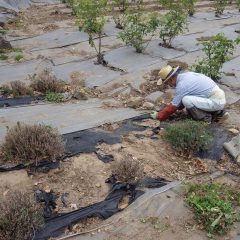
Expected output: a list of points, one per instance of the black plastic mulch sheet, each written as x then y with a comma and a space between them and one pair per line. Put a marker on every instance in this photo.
86, 141
54, 226
43, 166
216, 150
13, 102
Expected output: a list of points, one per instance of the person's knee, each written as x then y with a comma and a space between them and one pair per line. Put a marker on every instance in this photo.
187, 102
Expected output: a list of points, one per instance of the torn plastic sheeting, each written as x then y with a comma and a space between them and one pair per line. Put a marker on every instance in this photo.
233, 147
12, 102
105, 209
43, 166
49, 200
216, 150
86, 141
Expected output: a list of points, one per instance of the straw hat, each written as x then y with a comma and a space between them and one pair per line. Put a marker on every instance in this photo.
165, 73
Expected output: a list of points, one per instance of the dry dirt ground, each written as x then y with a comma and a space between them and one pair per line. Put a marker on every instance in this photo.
81, 179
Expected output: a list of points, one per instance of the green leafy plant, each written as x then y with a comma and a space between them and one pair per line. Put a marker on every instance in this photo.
181, 5
19, 88
45, 82
219, 6
26, 143
172, 24
54, 97
20, 216
214, 206
19, 57
120, 9
218, 50
137, 27
188, 136
121, 6
91, 19
188, 5
3, 56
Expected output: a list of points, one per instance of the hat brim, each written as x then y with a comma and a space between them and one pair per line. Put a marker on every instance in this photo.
161, 81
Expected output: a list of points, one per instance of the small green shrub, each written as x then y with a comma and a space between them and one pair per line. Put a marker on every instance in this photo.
54, 97
19, 88
3, 56
171, 25
219, 6
32, 143
127, 170
91, 19
136, 28
188, 5
20, 216
188, 136
181, 5
45, 82
218, 50
19, 57
214, 206
121, 6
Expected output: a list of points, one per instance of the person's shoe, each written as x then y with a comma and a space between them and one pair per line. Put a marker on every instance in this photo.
220, 116
198, 114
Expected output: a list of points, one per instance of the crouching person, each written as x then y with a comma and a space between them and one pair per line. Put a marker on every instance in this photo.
199, 94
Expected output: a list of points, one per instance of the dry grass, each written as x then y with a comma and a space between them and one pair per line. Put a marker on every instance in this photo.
32, 143
20, 217
127, 171
19, 88
45, 82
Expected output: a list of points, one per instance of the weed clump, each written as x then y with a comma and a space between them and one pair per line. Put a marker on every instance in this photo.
188, 136
31, 144
54, 97
127, 171
20, 217
19, 88
214, 206
46, 82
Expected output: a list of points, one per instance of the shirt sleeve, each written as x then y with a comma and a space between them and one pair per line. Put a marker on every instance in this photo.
180, 93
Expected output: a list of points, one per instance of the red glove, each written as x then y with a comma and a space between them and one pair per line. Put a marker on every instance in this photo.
166, 112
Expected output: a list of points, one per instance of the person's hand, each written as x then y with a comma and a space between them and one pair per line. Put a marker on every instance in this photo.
153, 115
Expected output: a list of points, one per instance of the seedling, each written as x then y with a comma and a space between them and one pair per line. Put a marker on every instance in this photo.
19, 57
91, 19
218, 49
137, 27
171, 25
219, 6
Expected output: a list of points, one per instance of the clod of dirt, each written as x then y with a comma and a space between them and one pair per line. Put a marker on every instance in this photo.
148, 106
135, 102
80, 95
175, 63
